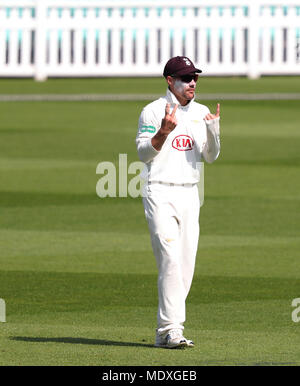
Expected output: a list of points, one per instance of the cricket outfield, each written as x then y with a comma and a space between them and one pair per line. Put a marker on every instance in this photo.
77, 272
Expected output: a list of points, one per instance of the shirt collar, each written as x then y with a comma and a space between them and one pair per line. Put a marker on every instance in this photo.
171, 98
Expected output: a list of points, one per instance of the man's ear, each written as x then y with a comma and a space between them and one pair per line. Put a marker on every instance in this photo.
169, 80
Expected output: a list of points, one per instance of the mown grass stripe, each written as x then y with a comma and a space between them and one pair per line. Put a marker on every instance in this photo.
142, 97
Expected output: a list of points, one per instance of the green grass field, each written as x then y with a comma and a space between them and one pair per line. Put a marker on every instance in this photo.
77, 271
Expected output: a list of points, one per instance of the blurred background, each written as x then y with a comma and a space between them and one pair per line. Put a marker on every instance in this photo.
46, 38
77, 271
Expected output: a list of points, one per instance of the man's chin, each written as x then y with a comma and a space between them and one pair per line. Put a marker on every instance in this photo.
189, 95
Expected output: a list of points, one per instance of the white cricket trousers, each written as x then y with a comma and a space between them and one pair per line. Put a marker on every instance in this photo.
172, 213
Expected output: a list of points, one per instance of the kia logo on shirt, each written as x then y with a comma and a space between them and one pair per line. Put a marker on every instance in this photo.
183, 143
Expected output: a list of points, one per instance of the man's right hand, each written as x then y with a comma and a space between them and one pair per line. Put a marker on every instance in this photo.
168, 124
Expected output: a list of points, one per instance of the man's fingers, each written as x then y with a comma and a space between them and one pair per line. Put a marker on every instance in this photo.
167, 108
210, 116
174, 111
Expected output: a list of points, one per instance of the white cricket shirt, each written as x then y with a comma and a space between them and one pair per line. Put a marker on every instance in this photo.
192, 141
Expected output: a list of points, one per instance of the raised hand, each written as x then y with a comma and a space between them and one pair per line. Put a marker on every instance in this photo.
169, 122
213, 116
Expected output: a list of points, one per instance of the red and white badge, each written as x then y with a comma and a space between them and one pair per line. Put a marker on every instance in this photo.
183, 142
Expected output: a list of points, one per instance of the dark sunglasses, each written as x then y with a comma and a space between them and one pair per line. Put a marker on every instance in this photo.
187, 78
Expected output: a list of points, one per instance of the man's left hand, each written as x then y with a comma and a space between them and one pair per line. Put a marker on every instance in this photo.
213, 116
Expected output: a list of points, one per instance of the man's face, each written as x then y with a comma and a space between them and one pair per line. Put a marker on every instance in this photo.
183, 87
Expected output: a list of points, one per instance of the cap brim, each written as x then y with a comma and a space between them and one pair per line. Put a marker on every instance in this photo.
187, 71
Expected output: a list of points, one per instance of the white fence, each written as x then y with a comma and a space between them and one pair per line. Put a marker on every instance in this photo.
47, 38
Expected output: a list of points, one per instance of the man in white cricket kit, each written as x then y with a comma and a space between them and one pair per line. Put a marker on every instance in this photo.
175, 134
